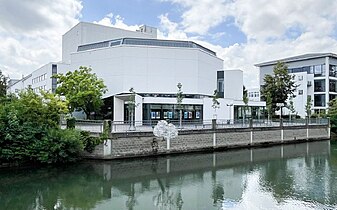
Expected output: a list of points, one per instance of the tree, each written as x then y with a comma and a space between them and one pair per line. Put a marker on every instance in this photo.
245, 101
82, 89
216, 103
291, 107
333, 114
279, 86
132, 106
308, 106
3, 85
29, 130
180, 98
269, 105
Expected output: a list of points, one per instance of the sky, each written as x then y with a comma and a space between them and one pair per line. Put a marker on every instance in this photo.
241, 32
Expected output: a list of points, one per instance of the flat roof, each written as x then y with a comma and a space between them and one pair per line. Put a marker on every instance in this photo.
297, 58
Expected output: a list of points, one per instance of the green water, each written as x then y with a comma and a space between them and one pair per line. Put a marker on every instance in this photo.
300, 176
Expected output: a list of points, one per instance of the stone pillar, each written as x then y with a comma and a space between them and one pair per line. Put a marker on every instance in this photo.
281, 126
329, 128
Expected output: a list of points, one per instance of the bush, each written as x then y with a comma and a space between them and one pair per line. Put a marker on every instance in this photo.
89, 142
59, 146
29, 130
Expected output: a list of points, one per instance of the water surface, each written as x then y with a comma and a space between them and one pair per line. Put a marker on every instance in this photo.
299, 176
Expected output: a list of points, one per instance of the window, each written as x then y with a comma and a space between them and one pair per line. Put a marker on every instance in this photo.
221, 85
300, 78
319, 85
300, 92
319, 100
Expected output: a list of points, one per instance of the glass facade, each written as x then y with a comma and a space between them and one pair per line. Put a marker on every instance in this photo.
332, 71
252, 112
220, 83
317, 70
53, 80
152, 113
319, 85
319, 100
93, 46
146, 42
333, 85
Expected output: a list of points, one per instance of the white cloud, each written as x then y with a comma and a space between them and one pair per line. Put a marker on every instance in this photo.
199, 16
31, 33
116, 21
265, 24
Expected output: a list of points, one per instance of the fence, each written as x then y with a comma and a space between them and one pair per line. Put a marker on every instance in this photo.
96, 126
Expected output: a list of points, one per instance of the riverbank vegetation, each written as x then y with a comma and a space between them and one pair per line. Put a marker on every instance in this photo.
30, 130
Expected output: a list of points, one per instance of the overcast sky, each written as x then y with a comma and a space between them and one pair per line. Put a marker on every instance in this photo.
242, 32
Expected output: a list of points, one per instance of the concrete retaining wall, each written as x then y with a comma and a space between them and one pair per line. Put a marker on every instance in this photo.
145, 144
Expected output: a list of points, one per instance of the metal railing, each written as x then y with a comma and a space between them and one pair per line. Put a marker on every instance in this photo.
97, 126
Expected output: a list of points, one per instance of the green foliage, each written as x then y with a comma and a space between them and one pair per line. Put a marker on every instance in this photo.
245, 96
71, 122
89, 142
180, 96
216, 103
82, 89
59, 146
29, 130
308, 106
279, 87
333, 114
3, 85
291, 106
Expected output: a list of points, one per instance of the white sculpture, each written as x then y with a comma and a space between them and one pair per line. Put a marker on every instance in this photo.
166, 130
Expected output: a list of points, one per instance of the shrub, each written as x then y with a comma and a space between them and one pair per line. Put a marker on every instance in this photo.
59, 146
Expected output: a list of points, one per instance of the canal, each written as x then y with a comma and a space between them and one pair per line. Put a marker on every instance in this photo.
298, 176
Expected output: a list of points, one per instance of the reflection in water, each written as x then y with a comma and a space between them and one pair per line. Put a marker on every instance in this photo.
300, 176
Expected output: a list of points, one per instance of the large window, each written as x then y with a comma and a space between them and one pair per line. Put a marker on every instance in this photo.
319, 85
319, 100
152, 113
319, 70
333, 85
220, 85
333, 71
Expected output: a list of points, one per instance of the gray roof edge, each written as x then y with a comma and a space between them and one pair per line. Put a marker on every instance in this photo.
297, 58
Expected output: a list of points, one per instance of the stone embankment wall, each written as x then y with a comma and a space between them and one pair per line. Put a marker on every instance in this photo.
136, 144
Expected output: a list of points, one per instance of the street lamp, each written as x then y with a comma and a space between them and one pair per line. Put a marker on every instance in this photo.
230, 112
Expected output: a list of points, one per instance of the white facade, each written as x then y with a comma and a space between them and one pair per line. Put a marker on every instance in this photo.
253, 94
316, 77
86, 33
153, 67
39, 79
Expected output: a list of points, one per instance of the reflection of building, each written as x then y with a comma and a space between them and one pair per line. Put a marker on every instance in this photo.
316, 75
153, 67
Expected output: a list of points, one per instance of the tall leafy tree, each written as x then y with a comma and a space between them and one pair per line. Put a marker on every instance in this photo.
180, 98
308, 106
3, 85
216, 103
245, 101
291, 107
82, 89
279, 86
333, 114
132, 105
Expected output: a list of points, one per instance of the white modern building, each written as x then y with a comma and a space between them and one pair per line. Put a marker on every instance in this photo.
315, 75
254, 94
153, 67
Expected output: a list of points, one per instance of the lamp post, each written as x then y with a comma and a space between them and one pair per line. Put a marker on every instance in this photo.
230, 111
